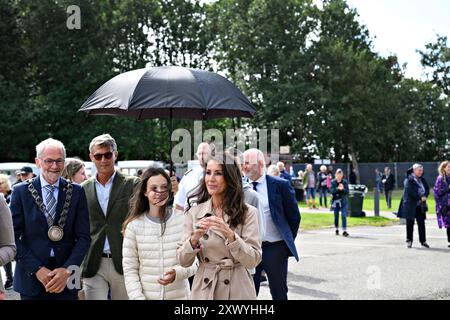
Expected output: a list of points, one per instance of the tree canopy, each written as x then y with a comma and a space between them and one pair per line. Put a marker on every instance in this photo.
311, 71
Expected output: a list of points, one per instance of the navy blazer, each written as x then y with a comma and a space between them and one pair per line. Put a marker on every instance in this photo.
284, 210
33, 244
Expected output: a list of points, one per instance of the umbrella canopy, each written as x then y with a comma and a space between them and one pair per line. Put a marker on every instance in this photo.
169, 92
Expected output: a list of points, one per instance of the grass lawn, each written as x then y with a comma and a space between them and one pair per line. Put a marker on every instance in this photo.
368, 203
312, 221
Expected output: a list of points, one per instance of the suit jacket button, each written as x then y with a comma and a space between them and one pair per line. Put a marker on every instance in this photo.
206, 280
226, 281
205, 236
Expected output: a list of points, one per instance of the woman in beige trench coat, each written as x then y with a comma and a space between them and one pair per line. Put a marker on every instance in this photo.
223, 233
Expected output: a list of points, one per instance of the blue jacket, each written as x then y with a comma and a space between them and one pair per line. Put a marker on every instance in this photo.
411, 197
284, 210
33, 244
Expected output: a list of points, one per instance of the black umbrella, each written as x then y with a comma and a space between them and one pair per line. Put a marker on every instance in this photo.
169, 92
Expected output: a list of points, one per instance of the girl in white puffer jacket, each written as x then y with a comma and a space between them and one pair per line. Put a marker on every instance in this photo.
151, 234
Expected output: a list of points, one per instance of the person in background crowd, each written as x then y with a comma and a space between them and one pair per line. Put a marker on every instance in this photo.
7, 245
413, 205
273, 171
5, 187
322, 187
193, 177
5, 190
51, 228
300, 174
26, 173
74, 170
378, 183
18, 178
339, 191
153, 226
223, 232
283, 173
108, 194
388, 181
352, 176
442, 197
281, 219
309, 184
329, 177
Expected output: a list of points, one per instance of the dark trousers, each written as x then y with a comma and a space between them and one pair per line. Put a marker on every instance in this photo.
388, 195
448, 234
275, 263
323, 194
8, 271
420, 218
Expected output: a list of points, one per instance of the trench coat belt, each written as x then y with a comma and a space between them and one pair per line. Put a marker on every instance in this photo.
224, 264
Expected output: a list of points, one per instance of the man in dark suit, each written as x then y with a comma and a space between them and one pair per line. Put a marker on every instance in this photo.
282, 220
51, 227
108, 194
388, 181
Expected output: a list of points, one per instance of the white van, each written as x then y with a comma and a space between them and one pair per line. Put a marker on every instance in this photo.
132, 166
9, 168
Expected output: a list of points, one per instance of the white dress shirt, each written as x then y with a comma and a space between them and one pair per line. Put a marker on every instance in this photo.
103, 193
271, 233
188, 183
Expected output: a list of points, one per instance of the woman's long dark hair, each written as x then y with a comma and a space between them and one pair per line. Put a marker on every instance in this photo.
233, 204
139, 202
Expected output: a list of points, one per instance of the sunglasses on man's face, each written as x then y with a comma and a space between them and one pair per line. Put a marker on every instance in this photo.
99, 156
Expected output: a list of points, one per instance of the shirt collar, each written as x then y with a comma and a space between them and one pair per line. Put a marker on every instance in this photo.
111, 179
261, 179
45, 183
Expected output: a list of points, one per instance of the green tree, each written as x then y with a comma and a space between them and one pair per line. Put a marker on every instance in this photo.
263, 47
437, 58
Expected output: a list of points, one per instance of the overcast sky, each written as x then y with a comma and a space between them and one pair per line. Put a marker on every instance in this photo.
403, 26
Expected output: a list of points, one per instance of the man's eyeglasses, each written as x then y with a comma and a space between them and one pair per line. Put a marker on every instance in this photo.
50, 162
99, 156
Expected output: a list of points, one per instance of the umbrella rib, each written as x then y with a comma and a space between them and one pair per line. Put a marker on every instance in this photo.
205, 109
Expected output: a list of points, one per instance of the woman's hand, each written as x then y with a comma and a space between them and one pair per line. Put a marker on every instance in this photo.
201, 227
218, 224
168, 277
2, 295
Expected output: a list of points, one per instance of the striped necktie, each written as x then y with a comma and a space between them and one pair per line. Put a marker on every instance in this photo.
51, 201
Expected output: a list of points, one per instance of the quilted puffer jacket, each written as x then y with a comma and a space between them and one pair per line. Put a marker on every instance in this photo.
147, 255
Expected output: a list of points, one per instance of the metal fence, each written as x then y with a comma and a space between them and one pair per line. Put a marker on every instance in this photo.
367, 171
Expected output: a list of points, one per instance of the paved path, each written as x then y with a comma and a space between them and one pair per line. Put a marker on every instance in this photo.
373, 263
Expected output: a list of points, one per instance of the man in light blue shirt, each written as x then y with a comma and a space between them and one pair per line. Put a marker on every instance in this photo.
282, 221
108, 195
